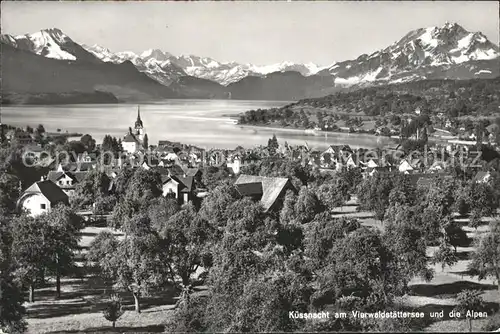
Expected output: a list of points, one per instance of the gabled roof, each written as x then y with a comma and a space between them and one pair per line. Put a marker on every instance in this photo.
192, 171
186, 183
129, 138
48, 189
272, 187
79, 166
253, 189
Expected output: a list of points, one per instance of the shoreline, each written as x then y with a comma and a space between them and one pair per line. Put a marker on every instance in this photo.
316, 133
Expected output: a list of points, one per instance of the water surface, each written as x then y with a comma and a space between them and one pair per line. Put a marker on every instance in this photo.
205, 123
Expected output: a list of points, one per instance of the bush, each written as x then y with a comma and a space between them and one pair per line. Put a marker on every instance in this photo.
189, 317
113, 310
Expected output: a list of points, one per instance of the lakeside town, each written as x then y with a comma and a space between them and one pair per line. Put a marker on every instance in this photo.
278, 192
249, 167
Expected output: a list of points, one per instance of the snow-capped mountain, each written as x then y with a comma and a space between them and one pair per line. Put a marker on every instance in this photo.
424, 53
224, 73
50, 43
446, 52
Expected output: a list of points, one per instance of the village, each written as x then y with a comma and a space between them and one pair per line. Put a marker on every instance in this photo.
124, 181
181, 166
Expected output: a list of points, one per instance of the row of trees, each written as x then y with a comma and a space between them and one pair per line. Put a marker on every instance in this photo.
32, 249
425, 214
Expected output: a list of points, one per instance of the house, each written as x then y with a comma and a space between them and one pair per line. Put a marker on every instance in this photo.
77, 166
20, 136
371, 171
36, 153
437, 166
336, 151
372, 163
405, 167
482, 177
87, 157
352, 161
179, 187
130, 143
234, 164
270, 191
417, 163
41, 197
66, 180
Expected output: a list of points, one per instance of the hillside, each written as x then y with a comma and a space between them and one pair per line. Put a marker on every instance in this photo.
25, 72
58, 98
449, 98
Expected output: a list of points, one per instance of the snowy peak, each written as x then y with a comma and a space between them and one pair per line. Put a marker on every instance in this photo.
420, 54
50, 43
155, 54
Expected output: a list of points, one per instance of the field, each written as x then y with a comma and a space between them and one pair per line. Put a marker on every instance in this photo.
79, 309
440, 293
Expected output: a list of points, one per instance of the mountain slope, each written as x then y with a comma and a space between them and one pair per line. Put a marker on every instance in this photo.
26, 72
50, 43
428, 53
199, 67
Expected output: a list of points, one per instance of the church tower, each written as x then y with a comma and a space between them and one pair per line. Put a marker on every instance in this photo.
139, 127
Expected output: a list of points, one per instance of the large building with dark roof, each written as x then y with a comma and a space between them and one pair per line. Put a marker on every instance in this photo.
41, 197
270, 191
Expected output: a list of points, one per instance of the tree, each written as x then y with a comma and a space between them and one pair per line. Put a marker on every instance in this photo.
160, 211
287, 213
469, 300
142, 188
136, 263
215, 205
95, 185
373, 194
404, 236
486, 259
445, 255
188, 238
30, 251
214, 176
360, 265
145, 142
322, 234
63, 227
455, 235
113, 310
88, 142
307, 205
9, 191
272, 144
482, 199
11, 298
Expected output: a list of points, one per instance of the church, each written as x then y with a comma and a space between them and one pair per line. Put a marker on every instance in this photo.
136, 138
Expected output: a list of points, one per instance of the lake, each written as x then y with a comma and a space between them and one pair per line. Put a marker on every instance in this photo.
204, 123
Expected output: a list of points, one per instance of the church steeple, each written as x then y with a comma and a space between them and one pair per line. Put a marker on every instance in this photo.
138, 122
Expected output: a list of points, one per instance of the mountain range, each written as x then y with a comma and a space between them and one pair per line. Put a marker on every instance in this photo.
49, 61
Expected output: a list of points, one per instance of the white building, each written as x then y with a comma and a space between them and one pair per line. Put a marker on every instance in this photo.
41, 197
134, 140
405, 167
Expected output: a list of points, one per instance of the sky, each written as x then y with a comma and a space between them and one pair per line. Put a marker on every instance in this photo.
261, 33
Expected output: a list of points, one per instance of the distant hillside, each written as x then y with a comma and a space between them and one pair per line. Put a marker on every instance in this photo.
25, 72
478, 97
58, 98
281, 86
455, 97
